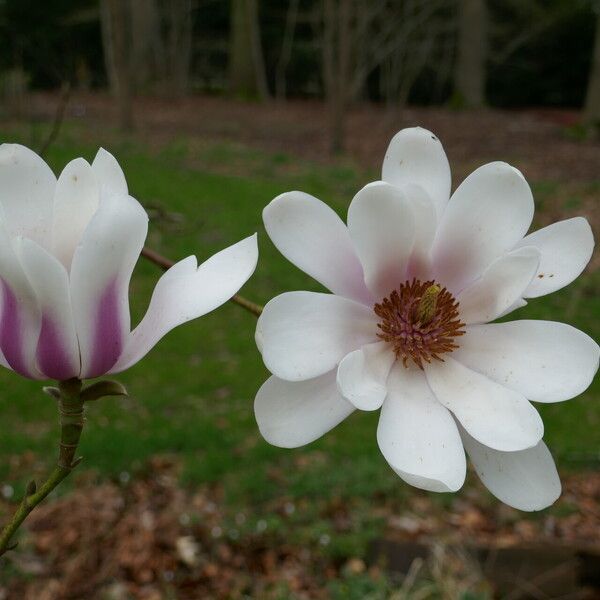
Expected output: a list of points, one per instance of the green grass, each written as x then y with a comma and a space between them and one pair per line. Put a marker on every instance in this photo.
192, 396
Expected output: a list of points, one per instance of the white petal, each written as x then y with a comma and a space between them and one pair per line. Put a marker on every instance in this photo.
526, 479
100, 273
26, 191
494, 415
543, 360
362, 375
566, 248
416, 156
486, 216
57, 347
312, 236
186, 292
292, 414
500, 287
306, 334
382, 228
109, 173
418, 436
20, 318
419, 264
520, 303
76, 200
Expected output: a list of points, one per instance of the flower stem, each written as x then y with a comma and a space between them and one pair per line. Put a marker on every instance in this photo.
70, 405
166, 263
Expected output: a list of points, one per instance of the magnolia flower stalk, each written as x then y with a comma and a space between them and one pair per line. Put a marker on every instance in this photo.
68, 247
417, 277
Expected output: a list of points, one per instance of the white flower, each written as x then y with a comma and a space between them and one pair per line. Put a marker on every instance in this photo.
67, 252
415, 278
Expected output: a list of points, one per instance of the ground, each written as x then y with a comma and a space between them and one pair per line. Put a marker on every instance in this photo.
197, 504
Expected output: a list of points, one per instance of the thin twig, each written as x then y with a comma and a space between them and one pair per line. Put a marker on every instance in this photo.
70, 406
166, 263
59, 116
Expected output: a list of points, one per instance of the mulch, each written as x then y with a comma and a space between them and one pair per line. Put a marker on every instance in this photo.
150, 538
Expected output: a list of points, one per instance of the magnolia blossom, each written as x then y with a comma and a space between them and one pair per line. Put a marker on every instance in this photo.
67, 251
416, 278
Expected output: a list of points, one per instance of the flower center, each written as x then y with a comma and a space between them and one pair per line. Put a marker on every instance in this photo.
420, 320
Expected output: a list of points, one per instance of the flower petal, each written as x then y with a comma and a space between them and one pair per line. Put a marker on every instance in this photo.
306, 334
362, 375
418, 436
416, 156
312, 236
109, 173
526, 479
500, 287
494, 415
187, 291
100, 273
382, 228
292, 414
76, 200
566, 248
487, 215
543, 360
419, 264
57, 347
20, 318
26, 191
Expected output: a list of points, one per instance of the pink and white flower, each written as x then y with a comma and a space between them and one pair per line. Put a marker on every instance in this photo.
67, 252
416, 276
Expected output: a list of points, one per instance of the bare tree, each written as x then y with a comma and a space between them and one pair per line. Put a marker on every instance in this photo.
469, 77
591, 111
178, 46
419, 31
286, 49
161, 44
116, 34
247, 74
147, 48
336, 66
359, 37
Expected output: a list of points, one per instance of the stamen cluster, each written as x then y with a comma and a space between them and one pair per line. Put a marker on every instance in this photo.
420, 320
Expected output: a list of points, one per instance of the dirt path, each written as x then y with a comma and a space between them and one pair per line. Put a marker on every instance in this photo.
537, 140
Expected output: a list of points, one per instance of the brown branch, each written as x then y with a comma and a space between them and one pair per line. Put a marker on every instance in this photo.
166, 263
59, 117
70, 404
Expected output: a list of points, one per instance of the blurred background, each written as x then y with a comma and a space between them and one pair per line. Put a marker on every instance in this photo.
213, 108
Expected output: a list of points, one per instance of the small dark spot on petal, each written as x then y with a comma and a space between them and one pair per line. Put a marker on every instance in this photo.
541, 276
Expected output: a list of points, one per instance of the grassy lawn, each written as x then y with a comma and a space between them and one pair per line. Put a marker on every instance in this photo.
193, 395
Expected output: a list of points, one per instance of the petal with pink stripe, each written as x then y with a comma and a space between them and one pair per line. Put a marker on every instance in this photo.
100, 274
57, 347
19, 316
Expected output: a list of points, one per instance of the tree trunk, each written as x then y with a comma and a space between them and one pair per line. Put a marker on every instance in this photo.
116, 27
336, 67
147, 48
469, 78
247, 75
591, 111
286, 49
179, 44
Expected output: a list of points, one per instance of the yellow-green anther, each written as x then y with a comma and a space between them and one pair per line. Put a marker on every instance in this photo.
428, 304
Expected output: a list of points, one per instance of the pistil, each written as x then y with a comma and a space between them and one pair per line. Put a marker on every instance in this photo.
421, 322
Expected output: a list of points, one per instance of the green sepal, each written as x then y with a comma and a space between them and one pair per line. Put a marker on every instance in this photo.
103, 388
53, 392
